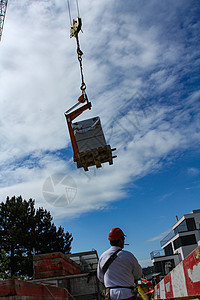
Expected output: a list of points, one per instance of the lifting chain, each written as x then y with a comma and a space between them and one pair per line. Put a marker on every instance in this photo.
80, 53
74, 30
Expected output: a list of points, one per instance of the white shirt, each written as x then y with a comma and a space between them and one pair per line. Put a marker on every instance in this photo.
122, 272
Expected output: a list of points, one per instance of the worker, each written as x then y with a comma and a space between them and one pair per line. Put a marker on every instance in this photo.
118, 269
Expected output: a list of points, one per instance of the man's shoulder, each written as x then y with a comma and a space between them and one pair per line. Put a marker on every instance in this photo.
109, 251
127, 254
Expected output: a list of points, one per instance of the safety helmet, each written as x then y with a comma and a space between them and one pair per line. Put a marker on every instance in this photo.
115, 234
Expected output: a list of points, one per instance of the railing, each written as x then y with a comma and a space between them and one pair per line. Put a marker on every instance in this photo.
167, 238
88, 260
157, 253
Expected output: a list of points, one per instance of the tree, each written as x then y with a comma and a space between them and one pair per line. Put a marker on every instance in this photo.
4, 266
22, 229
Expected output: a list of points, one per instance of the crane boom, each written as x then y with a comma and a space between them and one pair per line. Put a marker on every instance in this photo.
3, 7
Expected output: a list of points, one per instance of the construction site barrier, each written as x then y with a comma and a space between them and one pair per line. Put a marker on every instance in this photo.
183, 281
20, 289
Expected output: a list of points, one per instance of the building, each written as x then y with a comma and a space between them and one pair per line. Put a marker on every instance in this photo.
179, 243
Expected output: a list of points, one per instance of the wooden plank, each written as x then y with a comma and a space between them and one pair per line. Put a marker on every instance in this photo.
54, 264
48, 256
62, 265
95, 157
47, 261
92, 252
52, 258
50, 274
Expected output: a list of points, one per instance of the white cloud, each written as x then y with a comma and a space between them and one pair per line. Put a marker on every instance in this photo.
165, 196
145, 263
39, 80
159, 237
193, 171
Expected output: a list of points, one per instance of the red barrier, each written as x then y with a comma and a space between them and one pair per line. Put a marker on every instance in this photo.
30, 290
191, 269
183, 281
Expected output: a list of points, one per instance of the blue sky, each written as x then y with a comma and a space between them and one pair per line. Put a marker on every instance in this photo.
141, 66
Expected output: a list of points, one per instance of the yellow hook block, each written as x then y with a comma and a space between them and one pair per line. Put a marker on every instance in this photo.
75, 27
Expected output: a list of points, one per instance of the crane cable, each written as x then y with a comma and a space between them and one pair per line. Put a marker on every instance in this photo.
70, 18
77, 7
79, 52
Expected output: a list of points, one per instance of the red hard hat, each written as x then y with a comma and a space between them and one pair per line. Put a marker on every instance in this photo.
115, 234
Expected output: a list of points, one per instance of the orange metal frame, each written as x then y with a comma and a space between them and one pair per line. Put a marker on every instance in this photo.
70, 117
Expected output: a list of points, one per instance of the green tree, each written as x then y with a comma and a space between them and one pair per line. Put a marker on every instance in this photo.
22, 229
4, 266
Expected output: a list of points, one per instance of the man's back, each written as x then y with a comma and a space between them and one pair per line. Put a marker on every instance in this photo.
119, 277
122, 271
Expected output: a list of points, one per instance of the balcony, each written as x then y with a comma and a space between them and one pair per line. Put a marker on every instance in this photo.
157, 253
185, 226
166, 239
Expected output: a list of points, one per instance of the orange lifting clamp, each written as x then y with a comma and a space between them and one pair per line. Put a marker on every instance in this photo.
87, 138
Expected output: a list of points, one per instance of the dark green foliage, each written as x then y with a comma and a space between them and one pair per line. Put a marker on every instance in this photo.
22, 229
4, 266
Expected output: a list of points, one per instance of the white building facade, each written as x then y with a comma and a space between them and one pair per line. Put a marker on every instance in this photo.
179, 243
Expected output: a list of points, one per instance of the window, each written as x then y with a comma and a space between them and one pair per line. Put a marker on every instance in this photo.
181, 227
177, 243
186, 225
188, 240
168, 250
185, 241
191, 224
161, 266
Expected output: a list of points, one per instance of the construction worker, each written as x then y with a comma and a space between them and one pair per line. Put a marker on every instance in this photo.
117, 268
